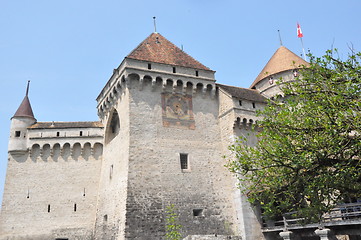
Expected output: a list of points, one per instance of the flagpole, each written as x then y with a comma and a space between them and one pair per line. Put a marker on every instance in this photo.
300, 35
303, 49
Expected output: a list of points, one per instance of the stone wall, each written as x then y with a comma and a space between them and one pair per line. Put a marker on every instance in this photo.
47, 198
200, 193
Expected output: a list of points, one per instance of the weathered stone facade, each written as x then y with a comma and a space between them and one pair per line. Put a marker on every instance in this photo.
164, 128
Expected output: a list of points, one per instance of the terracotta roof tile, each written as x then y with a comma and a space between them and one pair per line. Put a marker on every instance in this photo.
244, 93
58, 125
282, 60
157, 48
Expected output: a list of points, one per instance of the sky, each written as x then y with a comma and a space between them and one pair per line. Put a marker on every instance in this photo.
69, 48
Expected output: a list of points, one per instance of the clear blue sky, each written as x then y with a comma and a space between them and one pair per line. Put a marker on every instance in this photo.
68, 48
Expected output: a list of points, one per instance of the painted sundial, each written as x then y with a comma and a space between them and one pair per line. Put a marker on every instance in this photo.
177, 110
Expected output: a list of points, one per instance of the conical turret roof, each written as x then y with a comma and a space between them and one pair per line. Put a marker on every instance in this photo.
156, 48
25, 109
282, 60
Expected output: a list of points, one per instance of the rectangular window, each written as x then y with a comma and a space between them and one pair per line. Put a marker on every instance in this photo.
57, 134
49, 208
149, 66
197, 212
81, 133
240, 102
197, 74
254, 105
184, 160
17, 133
74, 207
174, 70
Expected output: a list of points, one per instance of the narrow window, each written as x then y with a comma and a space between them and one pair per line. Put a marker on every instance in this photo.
74, 207
105, 218
17, 133
28, 195
254, 105
184, 160
48, 207
111, 171
240, 102
197, 74
81, 133
149, 66
57, 134
197, 212
84, 193
174, 70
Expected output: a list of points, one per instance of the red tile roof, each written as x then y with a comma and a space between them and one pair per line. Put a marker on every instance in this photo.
158, 49
282, 60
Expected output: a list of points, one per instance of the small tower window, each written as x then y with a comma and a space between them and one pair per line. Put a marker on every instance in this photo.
48, 207
254, 105
149, 66
17, 133
74, 207
197, 212
81, 133
57, 134
240, 102
174, 70
197, 74
184, 161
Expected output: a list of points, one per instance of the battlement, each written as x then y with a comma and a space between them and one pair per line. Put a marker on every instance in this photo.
159, 77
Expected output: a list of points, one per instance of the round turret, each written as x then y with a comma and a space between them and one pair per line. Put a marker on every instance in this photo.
284, 66
22, 119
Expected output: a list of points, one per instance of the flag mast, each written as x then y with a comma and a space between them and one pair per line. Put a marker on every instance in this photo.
300, 36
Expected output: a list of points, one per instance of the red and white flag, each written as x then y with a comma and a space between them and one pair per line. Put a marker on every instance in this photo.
299, 31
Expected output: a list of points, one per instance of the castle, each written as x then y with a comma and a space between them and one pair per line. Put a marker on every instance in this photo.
164, 127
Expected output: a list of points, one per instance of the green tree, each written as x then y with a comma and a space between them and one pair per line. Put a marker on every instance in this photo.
308, 155
172, 226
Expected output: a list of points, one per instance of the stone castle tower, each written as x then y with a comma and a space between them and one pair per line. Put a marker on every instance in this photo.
164, 125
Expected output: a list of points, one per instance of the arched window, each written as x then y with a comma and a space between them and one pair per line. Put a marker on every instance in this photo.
113, 127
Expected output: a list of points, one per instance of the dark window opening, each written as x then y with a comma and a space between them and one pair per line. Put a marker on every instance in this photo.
240, 102
48, 207
74, 207
81, 133
113, 127
254, 105
184, 160
57, 134
197, 74
84, 193
197, 212
17, 133
174, 70
149, 66
105, 218
111, 171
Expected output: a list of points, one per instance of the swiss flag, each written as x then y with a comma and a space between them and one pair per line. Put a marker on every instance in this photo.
299, 31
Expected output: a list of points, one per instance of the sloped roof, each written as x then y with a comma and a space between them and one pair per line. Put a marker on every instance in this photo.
244, 93
58, 125
24, 109
282, 60
157, 48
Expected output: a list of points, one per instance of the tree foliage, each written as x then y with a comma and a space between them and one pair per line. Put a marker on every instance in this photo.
308, 155
172, 226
